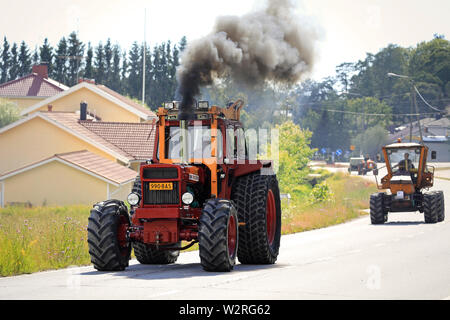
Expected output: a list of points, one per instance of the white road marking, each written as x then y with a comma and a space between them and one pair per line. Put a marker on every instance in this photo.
161, 294
381, 244
354, 251
324, 259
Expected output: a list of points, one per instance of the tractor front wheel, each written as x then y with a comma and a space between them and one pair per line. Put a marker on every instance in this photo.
218, 235
109, 247
378, 213
431, 207
441, 212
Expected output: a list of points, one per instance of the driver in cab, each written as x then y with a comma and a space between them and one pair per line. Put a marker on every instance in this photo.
405, 165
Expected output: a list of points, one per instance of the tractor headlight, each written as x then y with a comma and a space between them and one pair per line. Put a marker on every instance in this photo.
203, 105
133, 199
187, 198
169, 105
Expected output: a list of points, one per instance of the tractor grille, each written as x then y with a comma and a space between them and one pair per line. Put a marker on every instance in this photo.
153, 197
160, 173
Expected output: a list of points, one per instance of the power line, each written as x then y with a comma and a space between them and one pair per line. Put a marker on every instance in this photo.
426, 102
380, 114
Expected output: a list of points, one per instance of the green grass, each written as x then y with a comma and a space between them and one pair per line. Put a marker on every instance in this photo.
349, 196
44, 238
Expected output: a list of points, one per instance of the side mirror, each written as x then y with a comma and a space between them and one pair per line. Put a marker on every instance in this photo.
433, 155
375, 172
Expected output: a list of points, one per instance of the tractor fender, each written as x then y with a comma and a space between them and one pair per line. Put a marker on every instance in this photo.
247, 168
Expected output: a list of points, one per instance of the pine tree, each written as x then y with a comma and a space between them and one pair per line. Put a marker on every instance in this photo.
108, 60
6, 62
24, 60
35, 57
46, 55
60, 68
134, 77
149, 83
182, 44
75, 52
14, 69
115, 69
88, 69
99, 64
124, 74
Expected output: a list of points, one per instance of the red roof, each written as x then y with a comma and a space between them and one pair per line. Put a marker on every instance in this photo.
32, 85
88, 161
99, 166
135, 139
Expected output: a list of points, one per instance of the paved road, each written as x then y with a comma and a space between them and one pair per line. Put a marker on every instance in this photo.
403, 259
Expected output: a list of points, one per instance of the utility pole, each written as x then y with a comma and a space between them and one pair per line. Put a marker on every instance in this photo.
285, 111
417, 111
413, 99
411, 112
144, 58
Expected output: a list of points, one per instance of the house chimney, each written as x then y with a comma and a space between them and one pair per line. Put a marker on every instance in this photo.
91, 81
83, 110
41, 70
50, 108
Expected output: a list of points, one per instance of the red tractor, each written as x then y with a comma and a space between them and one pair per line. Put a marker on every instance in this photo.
200, 187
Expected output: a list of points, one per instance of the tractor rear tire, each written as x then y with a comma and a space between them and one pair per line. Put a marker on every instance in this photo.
377, 211
147, 254
218, 235
441, 211
431, 207
108, 245
257, 198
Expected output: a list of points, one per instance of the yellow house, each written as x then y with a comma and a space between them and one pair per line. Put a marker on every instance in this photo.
43, 134
103, 104
62, 153
31, 89
80, 177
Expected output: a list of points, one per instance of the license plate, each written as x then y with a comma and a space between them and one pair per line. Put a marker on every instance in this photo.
161, 186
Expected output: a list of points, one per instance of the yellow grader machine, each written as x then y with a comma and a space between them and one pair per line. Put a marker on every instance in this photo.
407, 176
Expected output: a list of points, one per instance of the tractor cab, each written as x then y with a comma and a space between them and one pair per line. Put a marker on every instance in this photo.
407, 168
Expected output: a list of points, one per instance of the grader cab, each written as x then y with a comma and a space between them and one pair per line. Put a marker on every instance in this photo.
199, 187
407, 176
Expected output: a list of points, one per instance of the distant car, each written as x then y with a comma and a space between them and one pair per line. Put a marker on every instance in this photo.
362, 165
356, 164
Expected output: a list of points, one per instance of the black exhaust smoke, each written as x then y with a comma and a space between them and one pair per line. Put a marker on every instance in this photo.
268, 45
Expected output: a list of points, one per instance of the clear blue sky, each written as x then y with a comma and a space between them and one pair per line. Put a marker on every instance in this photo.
348, 28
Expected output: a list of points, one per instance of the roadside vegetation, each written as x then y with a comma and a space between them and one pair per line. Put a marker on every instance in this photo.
44, 238
329, 199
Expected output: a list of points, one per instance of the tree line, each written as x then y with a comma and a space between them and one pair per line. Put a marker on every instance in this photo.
356, 104
107, 63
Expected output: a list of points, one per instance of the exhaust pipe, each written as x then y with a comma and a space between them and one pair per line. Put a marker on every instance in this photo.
184, 142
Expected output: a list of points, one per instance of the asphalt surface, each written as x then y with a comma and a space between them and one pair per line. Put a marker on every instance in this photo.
402, 259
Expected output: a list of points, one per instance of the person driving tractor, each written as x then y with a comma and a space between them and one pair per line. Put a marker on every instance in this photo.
405, 165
